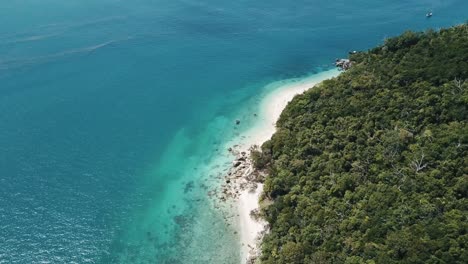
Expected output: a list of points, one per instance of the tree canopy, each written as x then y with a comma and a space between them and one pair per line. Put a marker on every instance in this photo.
371, 166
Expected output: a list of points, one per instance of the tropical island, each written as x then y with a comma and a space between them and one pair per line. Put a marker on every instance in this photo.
371, 166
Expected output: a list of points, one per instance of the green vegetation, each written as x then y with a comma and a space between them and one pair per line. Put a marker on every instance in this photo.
371, 166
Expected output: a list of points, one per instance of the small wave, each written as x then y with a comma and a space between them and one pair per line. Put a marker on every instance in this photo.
18, 63
52, 30
95, 22
31, 38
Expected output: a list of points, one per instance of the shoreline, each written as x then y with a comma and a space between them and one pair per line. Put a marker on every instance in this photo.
241, 181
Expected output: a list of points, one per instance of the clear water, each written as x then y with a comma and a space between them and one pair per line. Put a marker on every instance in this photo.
113, 114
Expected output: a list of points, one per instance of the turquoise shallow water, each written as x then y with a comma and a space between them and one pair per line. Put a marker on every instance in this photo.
113, 114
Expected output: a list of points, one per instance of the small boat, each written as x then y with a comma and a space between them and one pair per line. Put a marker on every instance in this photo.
429, 14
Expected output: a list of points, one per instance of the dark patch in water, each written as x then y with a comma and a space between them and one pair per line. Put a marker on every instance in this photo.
181, 220
189, 187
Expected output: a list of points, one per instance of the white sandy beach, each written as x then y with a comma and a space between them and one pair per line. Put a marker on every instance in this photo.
270, 110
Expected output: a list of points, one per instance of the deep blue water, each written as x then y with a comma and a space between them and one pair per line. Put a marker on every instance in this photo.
111, 110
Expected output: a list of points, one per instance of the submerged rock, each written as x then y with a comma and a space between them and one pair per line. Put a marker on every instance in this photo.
189, 187
181, 220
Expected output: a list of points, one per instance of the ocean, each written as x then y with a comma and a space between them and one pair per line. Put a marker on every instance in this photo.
114, 114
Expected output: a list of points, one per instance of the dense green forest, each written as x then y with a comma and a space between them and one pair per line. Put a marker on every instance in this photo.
371, 166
